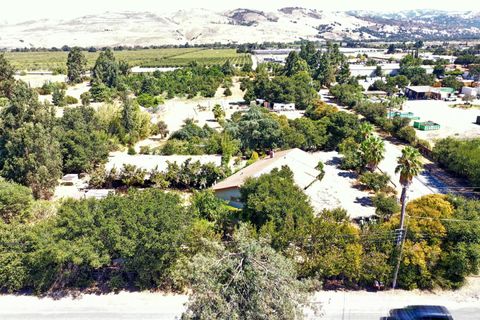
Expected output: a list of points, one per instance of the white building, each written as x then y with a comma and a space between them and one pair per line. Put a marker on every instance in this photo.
149, 162
277, 107
391, 69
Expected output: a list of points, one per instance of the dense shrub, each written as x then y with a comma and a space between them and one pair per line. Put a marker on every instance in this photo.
121, 241
460, 156
375, 181
385, 206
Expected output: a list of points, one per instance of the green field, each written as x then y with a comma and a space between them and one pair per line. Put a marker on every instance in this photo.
169, 57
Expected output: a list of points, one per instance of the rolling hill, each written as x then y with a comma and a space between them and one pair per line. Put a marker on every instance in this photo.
201, 26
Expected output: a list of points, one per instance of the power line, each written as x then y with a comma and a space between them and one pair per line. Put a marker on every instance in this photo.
445, 219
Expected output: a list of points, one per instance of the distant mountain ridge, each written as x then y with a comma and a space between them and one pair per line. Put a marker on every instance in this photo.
201, 26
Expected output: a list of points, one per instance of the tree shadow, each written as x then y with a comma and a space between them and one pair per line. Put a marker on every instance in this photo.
335, 161
348, 174
364, 201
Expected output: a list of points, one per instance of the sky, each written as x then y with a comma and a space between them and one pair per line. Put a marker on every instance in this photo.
22, 10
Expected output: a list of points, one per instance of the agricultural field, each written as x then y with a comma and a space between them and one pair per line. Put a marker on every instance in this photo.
168, 57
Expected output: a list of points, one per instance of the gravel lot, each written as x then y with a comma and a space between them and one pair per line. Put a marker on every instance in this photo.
455, 122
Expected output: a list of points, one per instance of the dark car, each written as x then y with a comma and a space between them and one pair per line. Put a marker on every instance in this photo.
420, 313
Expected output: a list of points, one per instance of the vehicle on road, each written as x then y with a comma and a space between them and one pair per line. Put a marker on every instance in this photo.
419, 313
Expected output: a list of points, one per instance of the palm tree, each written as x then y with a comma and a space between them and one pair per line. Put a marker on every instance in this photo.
373, 151
321, 170
366, 129
409, 166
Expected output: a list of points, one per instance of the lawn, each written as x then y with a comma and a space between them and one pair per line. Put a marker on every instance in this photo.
168, 57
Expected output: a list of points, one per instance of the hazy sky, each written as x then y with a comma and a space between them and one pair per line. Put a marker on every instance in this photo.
21, 10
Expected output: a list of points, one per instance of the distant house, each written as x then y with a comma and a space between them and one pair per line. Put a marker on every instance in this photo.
300, 162
418, 92
277, 107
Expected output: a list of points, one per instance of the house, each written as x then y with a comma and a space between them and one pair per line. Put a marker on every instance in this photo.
277, 107
300, 162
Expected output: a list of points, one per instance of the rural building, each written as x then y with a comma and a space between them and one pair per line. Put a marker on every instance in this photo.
277, 107
427, 92
300, 162
418, 92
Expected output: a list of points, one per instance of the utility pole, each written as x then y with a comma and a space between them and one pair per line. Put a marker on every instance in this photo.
400, 240
400, 236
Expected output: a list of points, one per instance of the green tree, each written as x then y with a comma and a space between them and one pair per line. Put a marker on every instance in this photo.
228, 69
76, 65
6, 69
294, 64
452, 82
106, 69
84, 145
325, 72
274, 203
58, 97
344, 73
256, 130
245, 280
308, 52
29, 149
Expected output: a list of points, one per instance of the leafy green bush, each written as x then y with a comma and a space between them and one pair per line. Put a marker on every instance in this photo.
71, 100
15, 201
131, 151
407, 134
385, 206
375, 181
459, 156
